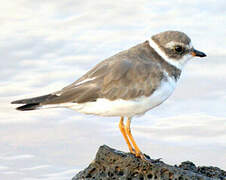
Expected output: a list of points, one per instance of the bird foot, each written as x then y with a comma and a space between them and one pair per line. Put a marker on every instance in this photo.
132, 151
147, 158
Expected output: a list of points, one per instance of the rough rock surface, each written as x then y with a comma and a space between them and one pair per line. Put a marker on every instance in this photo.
111, 164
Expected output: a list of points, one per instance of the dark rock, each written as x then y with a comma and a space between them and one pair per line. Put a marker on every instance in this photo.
212, 172
188, 165
111, 164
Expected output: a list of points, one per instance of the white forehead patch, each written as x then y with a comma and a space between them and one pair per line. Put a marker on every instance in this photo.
177, 63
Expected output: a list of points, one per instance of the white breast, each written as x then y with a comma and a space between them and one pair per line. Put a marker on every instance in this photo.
128, 108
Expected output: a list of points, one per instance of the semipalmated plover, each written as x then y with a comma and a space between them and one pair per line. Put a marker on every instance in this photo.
127, 84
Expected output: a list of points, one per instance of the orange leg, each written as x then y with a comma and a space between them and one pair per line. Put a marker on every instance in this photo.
122, 129
128, 132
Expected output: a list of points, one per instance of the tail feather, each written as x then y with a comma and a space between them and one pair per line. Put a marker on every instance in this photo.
33, 100
32, 103
28, 107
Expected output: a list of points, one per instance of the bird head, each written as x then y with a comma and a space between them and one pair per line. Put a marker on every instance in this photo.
175, 47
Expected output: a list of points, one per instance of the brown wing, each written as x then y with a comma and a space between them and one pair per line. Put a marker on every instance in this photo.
140, 79
113, 79
126, 75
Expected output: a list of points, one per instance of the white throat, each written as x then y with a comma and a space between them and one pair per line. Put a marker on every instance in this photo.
177, 63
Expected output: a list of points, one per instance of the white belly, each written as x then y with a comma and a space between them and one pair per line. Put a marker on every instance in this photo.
128, 108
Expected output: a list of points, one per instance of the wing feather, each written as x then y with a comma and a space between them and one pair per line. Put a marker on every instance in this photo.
127, 75
123, 76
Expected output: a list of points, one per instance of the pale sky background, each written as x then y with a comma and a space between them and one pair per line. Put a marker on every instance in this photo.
46, 45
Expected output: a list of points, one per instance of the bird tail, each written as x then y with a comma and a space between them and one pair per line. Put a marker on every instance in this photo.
28, 107
32, 103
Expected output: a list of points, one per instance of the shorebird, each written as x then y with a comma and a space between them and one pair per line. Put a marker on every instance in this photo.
127, 84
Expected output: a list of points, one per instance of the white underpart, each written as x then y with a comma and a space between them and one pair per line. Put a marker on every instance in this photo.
128, 108
177, 63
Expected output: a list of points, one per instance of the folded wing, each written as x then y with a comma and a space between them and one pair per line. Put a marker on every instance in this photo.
126, 75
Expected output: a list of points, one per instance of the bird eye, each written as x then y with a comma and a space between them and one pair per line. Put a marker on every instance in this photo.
179, 49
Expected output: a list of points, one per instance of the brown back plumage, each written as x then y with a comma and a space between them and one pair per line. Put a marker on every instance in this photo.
129, 74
